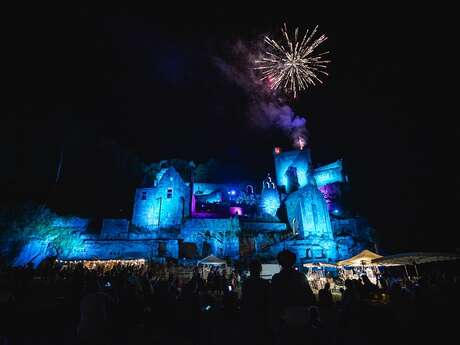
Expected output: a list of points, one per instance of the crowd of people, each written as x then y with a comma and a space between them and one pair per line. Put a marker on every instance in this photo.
134, 304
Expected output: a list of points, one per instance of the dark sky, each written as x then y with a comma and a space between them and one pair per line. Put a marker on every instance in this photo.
147, 81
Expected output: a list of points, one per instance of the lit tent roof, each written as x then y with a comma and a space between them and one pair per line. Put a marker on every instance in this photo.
212, 260
319, 264
415, 258
365, 258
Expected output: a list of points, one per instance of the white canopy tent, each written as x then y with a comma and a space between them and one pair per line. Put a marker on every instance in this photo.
316, 274
318, 264
208, 261
360, 264
365, 258
212, 260
414, 258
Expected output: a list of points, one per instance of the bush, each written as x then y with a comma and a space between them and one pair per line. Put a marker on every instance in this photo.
25, 222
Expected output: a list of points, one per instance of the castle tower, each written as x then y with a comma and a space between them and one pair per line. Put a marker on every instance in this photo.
291, 168
308, 216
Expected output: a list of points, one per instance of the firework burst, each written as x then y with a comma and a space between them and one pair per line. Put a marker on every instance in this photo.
292, 64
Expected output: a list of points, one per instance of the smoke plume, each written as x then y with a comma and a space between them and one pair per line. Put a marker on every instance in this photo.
266, 108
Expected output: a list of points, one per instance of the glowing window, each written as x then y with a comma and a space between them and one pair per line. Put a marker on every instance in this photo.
144, 196
169, 193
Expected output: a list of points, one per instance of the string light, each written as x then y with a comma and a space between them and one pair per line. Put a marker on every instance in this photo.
87, 263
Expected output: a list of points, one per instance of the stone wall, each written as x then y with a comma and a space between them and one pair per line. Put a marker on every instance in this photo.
76, 223
263, 226
210, 224
174, 198
219, 236
114, 228
330, 173
352, 235
143, 210
126, 249
308, 214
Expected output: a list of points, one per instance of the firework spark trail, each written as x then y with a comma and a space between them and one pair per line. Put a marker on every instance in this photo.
293, 66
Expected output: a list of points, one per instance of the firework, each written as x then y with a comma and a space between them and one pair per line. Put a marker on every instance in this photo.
293, 64
301, 142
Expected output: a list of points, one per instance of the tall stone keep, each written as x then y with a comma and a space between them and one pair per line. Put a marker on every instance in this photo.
308, 216
292, 168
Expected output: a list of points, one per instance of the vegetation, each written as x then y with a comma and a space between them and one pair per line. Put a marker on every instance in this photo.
24, 223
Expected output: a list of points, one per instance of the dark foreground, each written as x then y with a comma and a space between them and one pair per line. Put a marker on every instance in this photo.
146, 306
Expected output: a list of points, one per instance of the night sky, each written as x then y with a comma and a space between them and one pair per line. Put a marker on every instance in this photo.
146, 83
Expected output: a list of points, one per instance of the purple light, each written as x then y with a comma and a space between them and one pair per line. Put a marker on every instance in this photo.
236, 211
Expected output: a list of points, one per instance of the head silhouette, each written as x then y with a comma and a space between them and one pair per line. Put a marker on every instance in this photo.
92, 285
365, 279
286, 258
255, 268
349, 284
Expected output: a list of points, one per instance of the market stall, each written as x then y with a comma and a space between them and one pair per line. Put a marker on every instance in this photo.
105, 264
213, 261
210, 261
317, 274
359, 264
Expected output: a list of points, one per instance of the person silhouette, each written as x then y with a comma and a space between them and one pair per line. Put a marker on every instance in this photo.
290, 292
325, 296
254, 305
255, 291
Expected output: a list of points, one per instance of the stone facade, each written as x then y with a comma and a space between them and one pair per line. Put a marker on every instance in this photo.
177, 219
352, 235
308, 216
213, 236
126, 249
114, 229
164, 205
289, 162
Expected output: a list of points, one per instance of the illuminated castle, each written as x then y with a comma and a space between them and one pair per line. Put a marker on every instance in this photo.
300, 211
176, 217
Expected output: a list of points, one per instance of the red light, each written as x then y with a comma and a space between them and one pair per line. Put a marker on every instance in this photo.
277, 150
